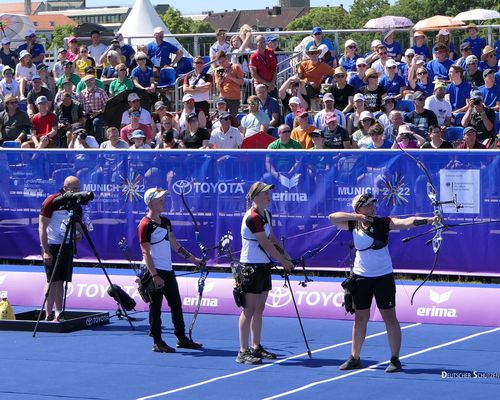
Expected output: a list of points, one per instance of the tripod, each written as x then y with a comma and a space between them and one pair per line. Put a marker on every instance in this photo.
71, 232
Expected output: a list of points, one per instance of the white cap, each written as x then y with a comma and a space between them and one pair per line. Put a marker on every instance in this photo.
29, 32
158, 29
323, 48
294, 100
133, 96
365, 114
359, 96
444, 32
24, 53
391, 63
152, 194
360, 61
350, 42
5, 40
409, 51
187, 97
376, 43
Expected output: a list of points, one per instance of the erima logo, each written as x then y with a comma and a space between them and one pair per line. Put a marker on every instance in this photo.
290, 182
434, 311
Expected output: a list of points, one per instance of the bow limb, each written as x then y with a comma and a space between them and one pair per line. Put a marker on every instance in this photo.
203, 267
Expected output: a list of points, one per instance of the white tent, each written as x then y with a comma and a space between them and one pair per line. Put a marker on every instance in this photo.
140, 23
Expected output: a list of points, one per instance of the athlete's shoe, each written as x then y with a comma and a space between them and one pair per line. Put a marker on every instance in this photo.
246, 357
162, 347
260, 352
351, 363
394, 365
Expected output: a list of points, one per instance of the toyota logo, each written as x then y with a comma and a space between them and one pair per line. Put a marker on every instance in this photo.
181, 185
279, 297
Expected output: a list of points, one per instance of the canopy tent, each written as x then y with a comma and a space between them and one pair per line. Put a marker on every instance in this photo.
140, 23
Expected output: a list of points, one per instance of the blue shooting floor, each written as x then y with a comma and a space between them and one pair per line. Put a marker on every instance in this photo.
114, 362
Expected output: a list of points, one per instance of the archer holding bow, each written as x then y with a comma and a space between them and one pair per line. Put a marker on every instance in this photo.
259, 248
157, 240
372, 274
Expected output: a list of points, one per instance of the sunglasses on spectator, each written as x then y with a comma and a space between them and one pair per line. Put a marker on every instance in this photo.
285, 131
72, 41
361, 65
393, 67
141, 59
122, 70
383, 53
410, 55
318, 34
422, 73
83, 51
373, 76
366, 120
340, 76
12, 102
198, 62
351, 47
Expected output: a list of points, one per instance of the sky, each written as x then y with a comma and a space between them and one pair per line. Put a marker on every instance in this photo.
197, 6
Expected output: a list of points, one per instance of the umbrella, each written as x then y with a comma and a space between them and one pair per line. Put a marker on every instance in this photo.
14, 26
437, 22
388, 22
478, 14
115, 106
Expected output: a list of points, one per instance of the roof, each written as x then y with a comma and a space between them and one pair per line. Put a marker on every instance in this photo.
48, 22
18, 8
275, 18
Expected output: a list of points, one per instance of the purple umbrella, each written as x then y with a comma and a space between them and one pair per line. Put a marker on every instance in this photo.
388, 22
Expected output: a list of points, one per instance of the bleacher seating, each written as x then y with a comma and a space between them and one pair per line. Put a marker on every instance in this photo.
454, 133
405, 105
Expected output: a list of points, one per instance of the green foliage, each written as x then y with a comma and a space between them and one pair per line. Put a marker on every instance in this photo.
363, 10
60, 32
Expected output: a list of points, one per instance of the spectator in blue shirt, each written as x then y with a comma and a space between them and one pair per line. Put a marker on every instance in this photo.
444, 37
269, 105
419, 80
126, 50
159, 51
488, 59
420, 47
496, 46
294, 105
36, 50
356, 79
404, 66
477, 43
319, 39
458, 90
142, 75
393, 83
490, 90
394, 49
439, 67
348, 59
376, 133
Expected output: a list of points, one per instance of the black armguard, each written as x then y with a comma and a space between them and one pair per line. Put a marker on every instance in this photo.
184, 253
419, 222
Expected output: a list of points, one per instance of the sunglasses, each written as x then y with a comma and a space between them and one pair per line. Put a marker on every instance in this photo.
382, 53
393, 67
366, 120
491, 55
73, 41
352, 47
340, 76
318, 34
410, 55
141, 59
12, 102
83, 51
198, 62
122, 70
422, 73
361, 65
373, 76
285, 131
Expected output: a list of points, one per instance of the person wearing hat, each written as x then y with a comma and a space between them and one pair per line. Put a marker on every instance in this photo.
318, 39
356, 79
159, 51
8, 56
465, 51
480, 117
490, 90
393, 83
58, 67
225, 136
329, 106
420, 116
372, 91
489, 59
157, 240
189, 108
348, 59
318, 139
229, 81
313, 71
68, 74
372, 272
72, 48
404, 66
407, 139
439, 67
14, 123
439, 104
258, 250
138, 138
24, 72
372, 55
420, 47
134, 102
36, 91
388, 104
44, 126
302, 129
93, 101
294, 104
66, 88
394, 48
360, 138
477, 43
443, 37
342, 92
198, 83
336, 137
472, 73
194, 137
8, 84
124, 52
221, 107
47, 78
470, 140
359, 107
458, 90
263, 66
78, 138
36, 50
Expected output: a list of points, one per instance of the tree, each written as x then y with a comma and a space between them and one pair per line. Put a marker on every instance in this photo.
60, 32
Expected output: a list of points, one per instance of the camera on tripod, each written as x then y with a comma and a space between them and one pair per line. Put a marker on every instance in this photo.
74, 199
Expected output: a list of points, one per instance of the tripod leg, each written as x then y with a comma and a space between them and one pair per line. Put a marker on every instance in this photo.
298, 316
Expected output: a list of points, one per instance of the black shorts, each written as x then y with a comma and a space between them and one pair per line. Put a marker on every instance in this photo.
259, 281
382, 287
65, 268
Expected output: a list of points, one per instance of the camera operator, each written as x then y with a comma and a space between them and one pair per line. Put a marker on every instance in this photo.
79, 139
53, 217
480, 117
229, 80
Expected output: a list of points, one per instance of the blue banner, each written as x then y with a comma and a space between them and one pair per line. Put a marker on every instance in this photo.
309, 186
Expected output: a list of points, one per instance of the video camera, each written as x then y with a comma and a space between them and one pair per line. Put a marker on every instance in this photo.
73, 199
